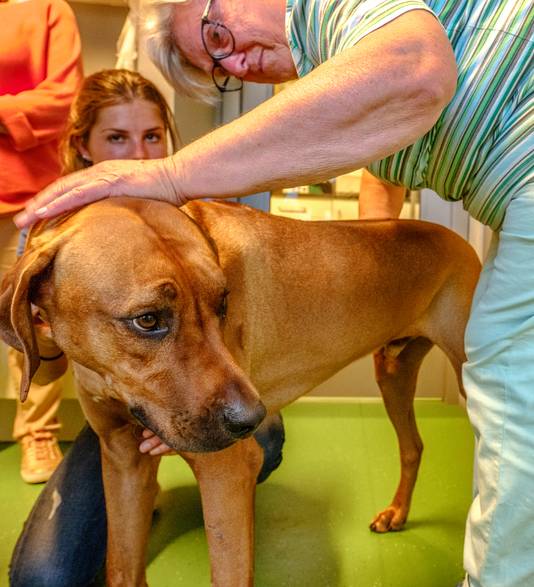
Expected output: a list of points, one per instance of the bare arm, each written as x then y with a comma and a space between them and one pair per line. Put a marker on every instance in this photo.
361, 105
379, 199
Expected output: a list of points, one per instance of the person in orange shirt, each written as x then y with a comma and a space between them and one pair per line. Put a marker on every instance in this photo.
40, 72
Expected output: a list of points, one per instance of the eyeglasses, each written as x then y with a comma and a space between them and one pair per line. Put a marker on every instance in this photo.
219, 44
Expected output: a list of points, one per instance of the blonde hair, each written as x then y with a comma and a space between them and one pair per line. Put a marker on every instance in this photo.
162, 49
108, 87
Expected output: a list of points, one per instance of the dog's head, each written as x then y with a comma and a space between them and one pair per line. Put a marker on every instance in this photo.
133, 291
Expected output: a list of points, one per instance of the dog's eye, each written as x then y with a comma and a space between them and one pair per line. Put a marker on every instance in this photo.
146, 323
150, 324
222, 309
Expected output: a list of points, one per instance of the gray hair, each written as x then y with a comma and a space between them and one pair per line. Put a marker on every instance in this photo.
163, 51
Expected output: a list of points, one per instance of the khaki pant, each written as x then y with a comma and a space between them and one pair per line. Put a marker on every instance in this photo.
39, 411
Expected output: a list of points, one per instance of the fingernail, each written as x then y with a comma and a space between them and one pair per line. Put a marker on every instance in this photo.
41, 211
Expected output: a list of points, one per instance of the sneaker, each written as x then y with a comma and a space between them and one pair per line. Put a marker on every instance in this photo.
40, 456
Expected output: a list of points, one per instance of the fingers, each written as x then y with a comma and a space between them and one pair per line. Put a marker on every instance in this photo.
38, 210
71, 191
100, 181
153, 445
140, 178
162, 450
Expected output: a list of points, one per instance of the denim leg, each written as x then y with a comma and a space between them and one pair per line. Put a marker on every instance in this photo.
270, 436
63, 543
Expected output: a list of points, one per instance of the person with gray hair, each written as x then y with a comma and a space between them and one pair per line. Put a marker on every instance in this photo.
424, 93
163, 51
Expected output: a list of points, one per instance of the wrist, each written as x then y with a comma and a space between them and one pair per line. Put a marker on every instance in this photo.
172, 177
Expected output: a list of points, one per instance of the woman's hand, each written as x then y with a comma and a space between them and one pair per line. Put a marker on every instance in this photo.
154, 178
153, 445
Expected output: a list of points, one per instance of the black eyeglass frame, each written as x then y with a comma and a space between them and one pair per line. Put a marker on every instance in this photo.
205, 21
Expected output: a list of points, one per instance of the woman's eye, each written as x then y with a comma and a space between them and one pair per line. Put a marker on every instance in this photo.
215, 36
115, 138
153, 137
146, 322
219, 39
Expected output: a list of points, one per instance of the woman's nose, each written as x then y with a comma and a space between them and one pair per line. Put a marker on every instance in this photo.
235, 64
139, 150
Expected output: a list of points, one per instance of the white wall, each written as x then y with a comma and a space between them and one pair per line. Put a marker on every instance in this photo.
100, 26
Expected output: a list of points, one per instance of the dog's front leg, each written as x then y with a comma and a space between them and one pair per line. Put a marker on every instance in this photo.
130, 488
227, 481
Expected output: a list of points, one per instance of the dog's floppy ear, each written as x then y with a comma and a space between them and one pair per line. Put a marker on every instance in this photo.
16, 321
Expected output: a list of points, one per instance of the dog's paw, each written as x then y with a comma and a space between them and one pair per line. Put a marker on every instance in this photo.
389, 520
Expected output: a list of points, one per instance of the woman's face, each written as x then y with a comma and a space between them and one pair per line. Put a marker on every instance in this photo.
261, 51
131, 130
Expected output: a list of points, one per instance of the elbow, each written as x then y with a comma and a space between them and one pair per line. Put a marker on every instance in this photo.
434, 88
437, 90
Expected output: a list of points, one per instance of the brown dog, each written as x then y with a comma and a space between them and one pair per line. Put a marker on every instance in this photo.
198, 322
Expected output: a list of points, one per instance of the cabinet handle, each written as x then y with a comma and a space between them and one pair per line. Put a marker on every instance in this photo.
294, 210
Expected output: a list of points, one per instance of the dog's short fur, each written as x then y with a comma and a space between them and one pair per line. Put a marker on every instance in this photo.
201, 321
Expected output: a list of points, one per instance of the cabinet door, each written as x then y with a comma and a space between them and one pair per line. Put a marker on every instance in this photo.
302, 208
345, 209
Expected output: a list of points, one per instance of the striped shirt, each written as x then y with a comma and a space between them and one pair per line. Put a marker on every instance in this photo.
481, 148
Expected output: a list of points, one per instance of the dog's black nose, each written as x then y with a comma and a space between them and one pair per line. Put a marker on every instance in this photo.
241, 421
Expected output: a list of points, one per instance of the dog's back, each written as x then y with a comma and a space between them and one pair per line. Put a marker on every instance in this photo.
314, 296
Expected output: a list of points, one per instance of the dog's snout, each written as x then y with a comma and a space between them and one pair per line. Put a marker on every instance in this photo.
241, 420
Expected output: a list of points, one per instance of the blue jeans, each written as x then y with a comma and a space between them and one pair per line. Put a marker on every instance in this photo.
63, 543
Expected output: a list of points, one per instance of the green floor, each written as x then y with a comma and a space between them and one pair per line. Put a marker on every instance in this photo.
340, 467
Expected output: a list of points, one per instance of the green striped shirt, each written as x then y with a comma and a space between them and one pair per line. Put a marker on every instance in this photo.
481, 148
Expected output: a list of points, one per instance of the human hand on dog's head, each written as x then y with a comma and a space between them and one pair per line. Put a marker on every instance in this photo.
154, 178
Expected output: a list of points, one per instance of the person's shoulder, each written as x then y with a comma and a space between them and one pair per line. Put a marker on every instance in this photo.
60, 6
58, 10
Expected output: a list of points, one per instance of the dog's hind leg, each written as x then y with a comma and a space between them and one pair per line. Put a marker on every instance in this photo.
227, 482
396, 369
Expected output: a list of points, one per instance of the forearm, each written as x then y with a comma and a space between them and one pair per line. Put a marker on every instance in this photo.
364, 104
379, 199
359, 106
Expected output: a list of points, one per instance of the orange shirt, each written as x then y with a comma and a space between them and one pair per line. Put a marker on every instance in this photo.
40, 71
